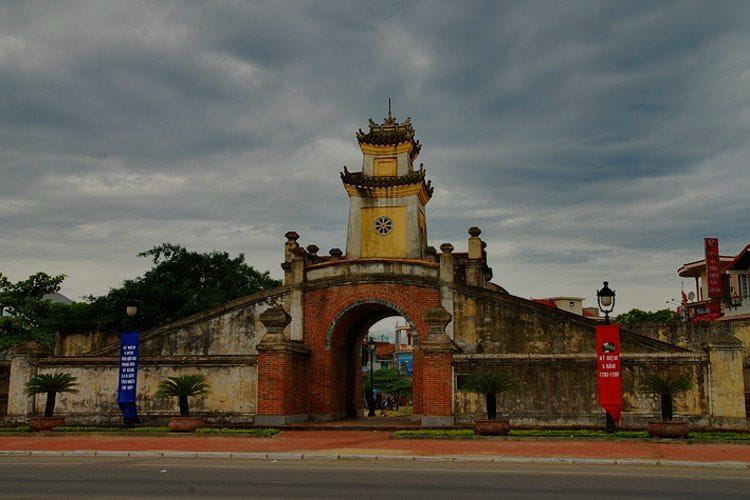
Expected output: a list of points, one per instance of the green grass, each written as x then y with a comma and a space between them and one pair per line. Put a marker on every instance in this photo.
719, 436
129, 430
576, 433
159, 430
435, 433
247, 432
570, 434
21, 428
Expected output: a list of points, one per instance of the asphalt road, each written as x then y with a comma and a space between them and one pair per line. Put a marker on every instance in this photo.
26, 477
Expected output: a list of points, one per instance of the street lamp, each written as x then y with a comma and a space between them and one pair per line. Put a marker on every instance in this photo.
606, 299
371, 391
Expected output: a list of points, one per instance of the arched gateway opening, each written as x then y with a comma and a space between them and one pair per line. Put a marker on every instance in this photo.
344, 343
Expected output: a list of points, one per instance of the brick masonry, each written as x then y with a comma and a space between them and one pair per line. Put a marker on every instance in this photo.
337, 318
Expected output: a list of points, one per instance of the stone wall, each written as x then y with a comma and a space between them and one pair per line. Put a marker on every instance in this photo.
232, 398
561, 390
694, 335
552, 354
219, 343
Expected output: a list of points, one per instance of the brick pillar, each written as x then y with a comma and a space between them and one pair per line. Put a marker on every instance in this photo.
283, 366
437, 370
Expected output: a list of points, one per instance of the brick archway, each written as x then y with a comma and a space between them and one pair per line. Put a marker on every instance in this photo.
336, 318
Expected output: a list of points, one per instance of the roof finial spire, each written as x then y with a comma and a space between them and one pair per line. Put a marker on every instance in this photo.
389, 108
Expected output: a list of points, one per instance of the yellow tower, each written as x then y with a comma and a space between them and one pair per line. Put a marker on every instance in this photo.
387, 197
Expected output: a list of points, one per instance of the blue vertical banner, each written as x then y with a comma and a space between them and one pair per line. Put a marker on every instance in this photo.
128, 376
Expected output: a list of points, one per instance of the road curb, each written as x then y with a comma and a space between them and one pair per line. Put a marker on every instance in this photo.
381, 458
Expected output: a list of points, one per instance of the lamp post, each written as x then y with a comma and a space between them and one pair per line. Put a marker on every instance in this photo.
371, 391
606, 300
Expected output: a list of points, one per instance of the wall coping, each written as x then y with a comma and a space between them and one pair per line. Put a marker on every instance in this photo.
200, 316
222, 360
339, 262
372, 278
508, 298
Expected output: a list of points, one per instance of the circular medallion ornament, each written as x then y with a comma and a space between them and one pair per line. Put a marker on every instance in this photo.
383, 225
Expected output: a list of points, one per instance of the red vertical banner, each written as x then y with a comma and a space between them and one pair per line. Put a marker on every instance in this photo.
713, 268
608, 369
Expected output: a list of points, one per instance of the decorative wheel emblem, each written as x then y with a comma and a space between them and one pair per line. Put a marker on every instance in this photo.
383, 225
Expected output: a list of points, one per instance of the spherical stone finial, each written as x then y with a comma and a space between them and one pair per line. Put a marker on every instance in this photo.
274, 319
437, 317
312, 249
430, 251
474, 231
336, 253
291, 236
446, 248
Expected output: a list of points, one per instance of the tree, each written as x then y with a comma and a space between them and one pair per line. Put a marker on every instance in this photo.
637, 316
51, 384
180, 283
30, 317
391, 381
182, 388
666, 388
490, 384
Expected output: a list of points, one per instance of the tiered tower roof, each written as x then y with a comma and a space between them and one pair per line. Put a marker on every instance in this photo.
390, 133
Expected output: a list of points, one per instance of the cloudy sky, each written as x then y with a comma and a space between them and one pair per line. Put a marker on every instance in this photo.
588, 140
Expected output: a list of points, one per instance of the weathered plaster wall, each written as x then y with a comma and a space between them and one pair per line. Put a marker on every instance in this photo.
552, 354
219, 343
232, 396
489, 322
694, 335
4, 386
562, 390
234, 332
78, 344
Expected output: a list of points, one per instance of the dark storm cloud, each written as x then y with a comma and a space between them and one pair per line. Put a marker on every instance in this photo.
589, 140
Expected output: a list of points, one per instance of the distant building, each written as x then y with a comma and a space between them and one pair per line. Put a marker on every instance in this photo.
383, 355
739, 286
571, 304
404, 352
52, 297
734, 299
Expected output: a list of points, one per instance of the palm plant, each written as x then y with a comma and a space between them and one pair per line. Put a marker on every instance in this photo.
666, 389
51, 384
182, 388
491, 384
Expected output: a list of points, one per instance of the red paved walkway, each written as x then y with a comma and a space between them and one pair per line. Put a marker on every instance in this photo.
379, 442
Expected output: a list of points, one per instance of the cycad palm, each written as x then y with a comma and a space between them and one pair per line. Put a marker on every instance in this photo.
666, 389
183, 387
51, 384
491, 384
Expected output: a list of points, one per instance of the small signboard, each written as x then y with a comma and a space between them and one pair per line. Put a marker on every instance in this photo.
405, 362
713, 268
608, 371
128, 375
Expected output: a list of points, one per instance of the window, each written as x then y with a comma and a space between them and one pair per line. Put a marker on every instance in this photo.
744, 280
383, 225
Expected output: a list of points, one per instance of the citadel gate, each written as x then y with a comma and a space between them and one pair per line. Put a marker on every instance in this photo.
291, 354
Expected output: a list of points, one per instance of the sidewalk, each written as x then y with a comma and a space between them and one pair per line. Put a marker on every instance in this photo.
380, 445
